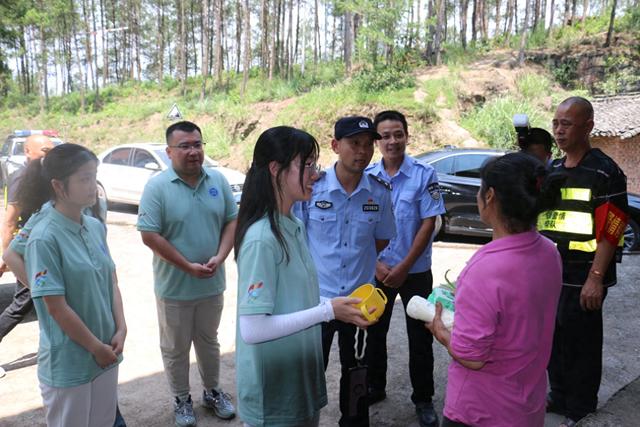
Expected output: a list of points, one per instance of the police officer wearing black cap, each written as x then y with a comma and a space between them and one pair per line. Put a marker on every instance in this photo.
349, 220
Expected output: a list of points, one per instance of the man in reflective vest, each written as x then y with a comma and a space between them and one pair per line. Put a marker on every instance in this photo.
587, 226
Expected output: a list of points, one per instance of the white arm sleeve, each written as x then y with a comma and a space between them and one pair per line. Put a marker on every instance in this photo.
258, 328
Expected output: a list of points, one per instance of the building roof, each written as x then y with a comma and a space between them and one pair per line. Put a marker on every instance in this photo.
617, 116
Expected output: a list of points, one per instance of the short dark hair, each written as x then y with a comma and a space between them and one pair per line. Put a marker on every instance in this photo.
184, 126
538, 136
394, 115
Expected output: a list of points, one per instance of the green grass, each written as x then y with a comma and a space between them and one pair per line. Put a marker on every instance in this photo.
492, 123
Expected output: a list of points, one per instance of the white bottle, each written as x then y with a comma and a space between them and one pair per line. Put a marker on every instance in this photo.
421, 309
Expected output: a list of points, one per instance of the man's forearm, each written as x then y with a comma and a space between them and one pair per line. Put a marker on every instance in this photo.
603, 256
226, 240
165, 250
420, 241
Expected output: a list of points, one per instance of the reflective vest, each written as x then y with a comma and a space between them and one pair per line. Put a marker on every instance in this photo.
571, 223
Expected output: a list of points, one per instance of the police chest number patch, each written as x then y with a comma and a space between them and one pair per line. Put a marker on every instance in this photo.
370, 207
323, 204
434, 190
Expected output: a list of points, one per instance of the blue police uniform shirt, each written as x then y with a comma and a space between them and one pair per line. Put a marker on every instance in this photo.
416, 196
342, 230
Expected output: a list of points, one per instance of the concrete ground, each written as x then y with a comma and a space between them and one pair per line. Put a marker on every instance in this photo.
144, 397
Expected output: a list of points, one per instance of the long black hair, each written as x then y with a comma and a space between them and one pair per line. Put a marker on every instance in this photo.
523, 188
60, 163
279, 144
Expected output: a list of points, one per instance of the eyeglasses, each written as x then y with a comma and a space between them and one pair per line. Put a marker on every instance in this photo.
188, 147
312, 167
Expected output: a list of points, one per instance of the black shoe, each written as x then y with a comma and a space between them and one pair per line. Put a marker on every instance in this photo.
375, 395
427, 416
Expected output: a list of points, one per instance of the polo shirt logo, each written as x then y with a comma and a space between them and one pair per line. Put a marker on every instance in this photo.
254, 291
41, 278
22, 236
323, 204
213, 191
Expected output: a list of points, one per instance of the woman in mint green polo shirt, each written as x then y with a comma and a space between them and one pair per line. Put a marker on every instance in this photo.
76, 296
280, 371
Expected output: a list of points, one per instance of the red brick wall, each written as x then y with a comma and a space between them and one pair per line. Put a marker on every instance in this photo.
626, 153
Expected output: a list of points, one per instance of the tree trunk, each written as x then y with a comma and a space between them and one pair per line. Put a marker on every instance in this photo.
182, 46
246, 67
464, 10
44, 86
510, 13
585, 9
87, 42
348, 41
95, 49
273, 53
551, 16
437, 42
238, 35
611, 22
105, 45
79, 62
205, 48
290, 43
218, 39
497, 31
316, 35
161, 41
523, 39
264, 41
474, 21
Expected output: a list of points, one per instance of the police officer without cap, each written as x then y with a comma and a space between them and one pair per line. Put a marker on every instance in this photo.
349, 220
587, 226
404, 266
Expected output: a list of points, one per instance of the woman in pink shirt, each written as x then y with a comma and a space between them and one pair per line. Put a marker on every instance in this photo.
505, 304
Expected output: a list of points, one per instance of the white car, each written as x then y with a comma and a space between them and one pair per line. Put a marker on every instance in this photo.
124, 171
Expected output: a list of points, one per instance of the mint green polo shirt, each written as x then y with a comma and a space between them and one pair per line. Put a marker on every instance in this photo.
19, 242
66, 258
280, 382
191, 219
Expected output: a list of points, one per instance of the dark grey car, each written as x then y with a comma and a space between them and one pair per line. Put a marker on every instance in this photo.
459, 177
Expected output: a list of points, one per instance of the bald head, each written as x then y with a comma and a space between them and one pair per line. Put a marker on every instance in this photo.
36, 146
580, 105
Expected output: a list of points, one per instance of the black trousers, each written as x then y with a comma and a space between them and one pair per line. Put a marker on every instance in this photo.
346, 340
16, 311
575, 367
420, 340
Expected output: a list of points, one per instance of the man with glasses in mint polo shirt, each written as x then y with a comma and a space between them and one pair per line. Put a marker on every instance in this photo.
187, 216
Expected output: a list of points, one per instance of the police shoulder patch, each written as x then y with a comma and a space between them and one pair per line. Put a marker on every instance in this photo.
380, 181
434, 190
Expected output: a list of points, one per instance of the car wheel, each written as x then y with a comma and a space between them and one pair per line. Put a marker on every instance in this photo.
631, 236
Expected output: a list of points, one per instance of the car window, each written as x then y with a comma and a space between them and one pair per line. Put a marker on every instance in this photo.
18, 147
468, 165
5, 148
142, 157
444, 165
119, 156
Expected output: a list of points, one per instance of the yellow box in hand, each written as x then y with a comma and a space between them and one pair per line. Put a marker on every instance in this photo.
370, 297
